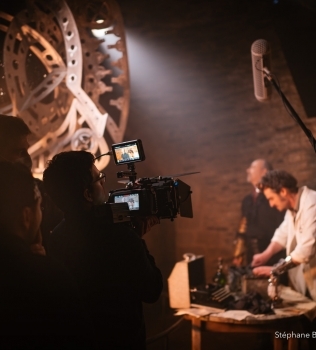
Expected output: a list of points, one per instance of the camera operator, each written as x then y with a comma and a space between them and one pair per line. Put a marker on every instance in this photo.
110, 262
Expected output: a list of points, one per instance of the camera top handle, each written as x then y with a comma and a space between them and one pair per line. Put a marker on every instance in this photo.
130, 173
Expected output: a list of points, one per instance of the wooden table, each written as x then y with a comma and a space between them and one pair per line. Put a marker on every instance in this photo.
264, 325
286, 319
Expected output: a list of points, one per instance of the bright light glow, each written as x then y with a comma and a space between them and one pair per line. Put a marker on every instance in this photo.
98, 33
150, 63
100, 20
110, 40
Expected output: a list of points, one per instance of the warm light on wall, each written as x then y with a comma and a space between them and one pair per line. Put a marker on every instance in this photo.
71, 92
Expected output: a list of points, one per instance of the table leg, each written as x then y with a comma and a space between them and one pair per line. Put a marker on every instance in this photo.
196, 334
293, 344
277, 344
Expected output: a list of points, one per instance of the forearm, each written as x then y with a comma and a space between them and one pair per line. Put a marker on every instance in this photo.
272, 249
261, 258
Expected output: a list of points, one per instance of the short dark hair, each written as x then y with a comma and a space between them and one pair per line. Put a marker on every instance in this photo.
278, 179
11, 128
66, 177
17, 187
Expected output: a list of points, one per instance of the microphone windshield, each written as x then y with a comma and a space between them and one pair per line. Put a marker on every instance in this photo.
260, 56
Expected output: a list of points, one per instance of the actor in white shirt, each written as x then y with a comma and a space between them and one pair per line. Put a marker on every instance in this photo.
297, 233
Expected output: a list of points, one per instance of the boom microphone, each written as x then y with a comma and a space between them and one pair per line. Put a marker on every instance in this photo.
260, 56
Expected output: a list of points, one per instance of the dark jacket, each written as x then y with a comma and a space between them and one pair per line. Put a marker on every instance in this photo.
115, 273
40, 306
52, 215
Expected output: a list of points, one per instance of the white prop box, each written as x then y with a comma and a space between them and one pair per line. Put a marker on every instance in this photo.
186, 274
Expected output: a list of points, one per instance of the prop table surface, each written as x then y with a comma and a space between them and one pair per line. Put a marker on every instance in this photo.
287, 319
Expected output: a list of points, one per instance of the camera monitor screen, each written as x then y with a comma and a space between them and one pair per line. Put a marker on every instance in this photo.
128, 152
131, 199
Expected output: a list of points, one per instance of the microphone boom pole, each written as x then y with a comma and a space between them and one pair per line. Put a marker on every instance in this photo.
292, 111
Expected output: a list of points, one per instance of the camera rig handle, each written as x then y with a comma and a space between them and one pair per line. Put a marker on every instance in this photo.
148, 181
130, 173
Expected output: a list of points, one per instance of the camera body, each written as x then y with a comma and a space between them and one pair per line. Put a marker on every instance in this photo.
163, 197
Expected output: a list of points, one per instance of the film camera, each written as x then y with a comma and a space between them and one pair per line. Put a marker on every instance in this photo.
163, 197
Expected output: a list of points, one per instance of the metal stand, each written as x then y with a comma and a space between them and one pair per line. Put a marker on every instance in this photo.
293, 113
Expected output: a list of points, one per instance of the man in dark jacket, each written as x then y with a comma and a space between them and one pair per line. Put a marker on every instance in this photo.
259, 220
110, 262
14, 144
40, 307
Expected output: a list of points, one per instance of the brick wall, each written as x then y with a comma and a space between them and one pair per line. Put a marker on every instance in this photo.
193, 106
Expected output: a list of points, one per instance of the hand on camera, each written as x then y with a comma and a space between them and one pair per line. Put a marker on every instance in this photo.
143, 224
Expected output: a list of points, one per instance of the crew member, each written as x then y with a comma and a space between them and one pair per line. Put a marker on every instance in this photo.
40, 306
14, 144
14, 140
109, 261
258, 221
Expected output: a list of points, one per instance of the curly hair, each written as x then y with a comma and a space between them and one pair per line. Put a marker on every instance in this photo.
278, 179
66, 177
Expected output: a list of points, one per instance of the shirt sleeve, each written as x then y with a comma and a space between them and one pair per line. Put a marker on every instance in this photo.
305, 234
281, 233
